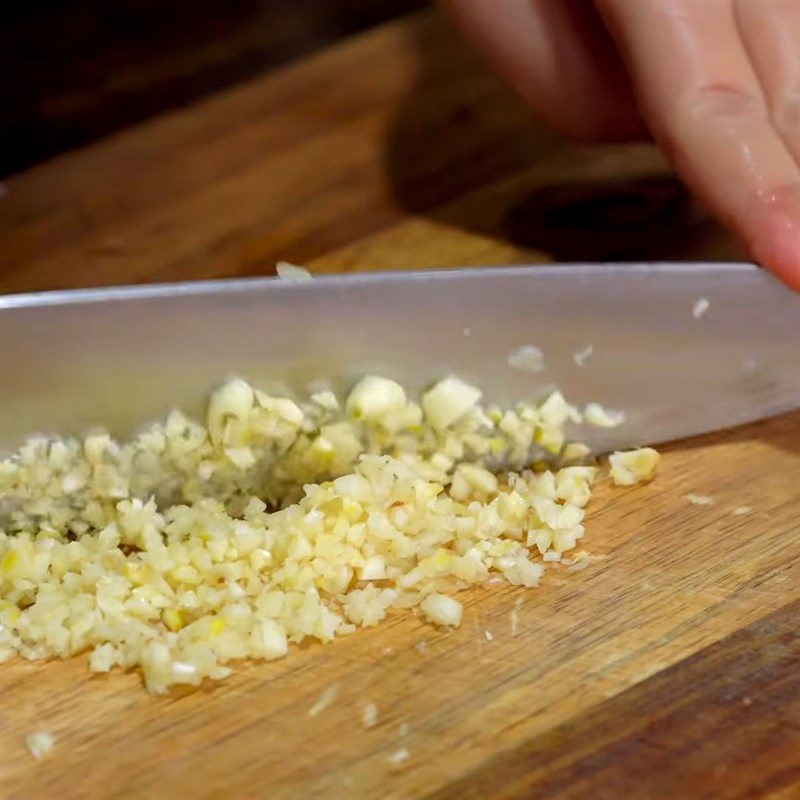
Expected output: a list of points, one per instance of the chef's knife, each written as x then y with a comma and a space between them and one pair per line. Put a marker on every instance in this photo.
681, 348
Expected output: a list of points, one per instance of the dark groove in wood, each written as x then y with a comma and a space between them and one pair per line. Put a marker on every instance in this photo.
723, 724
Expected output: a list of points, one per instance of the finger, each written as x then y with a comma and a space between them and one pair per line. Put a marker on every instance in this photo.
704, 103
770, 30
559, 58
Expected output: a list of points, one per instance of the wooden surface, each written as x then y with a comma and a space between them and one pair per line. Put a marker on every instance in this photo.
667, 670
85, 70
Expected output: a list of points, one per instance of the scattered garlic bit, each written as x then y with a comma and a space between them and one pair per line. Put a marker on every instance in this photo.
442, 610
470, 480
527, 358
553, 414
741, 511
325, 700
700, 307
327, 400
448, 401
556, 411
515, 616
577, 566
403, 730
370, 715
379, 401
700, 499
421, 647
399, 756
595, 414
633, 466
580, 560
291, 272
581, 356
183, 669
40, 743
489, 636
228, 411
585, 555
575, 452
193, 546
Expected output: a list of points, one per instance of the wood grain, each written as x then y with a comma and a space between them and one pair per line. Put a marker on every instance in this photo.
400, 134
122, 61
678, 579
392, 151
627, 746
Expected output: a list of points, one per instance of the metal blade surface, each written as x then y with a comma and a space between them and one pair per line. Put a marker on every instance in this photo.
118, 358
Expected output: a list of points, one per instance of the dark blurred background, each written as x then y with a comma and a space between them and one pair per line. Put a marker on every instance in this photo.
76, 70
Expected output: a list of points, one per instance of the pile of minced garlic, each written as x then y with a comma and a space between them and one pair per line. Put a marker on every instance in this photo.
194, 545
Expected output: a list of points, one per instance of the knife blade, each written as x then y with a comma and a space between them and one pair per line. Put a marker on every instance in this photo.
120, 357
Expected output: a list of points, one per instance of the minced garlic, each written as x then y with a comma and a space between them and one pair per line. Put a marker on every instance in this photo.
39, 744
325, 700
595, 414
291, 272
633, 466
700, 499
527, 358
370, 715
195, 545
442, 610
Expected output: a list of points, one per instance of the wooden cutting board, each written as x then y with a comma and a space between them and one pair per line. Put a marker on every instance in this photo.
669, 668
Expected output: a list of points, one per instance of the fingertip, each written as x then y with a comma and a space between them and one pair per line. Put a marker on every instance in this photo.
776, 236
776, 246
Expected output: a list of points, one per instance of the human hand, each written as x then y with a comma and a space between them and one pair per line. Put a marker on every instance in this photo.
715, 82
